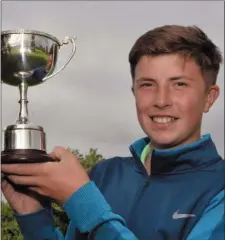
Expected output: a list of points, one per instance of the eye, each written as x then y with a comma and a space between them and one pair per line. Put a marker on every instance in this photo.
146, 84
181, 84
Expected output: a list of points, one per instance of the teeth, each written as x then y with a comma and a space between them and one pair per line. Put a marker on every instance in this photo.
163, 119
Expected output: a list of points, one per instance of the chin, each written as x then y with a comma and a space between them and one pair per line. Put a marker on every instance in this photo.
163, 142
164, 145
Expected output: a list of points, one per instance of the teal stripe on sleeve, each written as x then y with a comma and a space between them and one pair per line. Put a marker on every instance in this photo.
209, 227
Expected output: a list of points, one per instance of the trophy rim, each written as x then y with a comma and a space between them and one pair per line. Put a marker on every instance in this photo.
23, 126
28, 31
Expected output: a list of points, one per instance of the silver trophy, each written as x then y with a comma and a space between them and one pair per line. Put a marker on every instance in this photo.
28, 58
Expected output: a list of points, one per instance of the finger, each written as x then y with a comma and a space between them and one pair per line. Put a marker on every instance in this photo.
7, 189
54, 157
24, 180
4, 183
61, 154
58, 153
33, 189
37, 190
32, 169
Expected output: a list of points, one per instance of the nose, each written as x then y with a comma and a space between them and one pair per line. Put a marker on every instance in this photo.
163, 98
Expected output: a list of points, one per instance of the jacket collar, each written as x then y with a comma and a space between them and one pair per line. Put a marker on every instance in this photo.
181, 159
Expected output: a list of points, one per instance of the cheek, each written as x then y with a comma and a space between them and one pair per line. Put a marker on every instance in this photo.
143, 108
143, 103
192, 107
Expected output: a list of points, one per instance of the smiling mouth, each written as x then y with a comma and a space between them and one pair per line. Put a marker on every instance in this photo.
163, 120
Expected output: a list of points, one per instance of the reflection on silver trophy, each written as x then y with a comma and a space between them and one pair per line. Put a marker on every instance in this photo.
28, 59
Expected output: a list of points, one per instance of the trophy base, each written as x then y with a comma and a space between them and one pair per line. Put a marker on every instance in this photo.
24, 156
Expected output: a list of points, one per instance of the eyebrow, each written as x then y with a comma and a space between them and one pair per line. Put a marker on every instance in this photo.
181, 77
175, 78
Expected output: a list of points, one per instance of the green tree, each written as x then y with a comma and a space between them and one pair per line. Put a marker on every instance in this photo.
90, 159
76, 153
10, 229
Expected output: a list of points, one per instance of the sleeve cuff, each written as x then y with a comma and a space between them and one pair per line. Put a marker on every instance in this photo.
88, 209
36, 225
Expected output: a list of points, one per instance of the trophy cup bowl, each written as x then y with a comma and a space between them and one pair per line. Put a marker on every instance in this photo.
28, 58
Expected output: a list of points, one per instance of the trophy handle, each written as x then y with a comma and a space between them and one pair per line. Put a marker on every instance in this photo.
65, 41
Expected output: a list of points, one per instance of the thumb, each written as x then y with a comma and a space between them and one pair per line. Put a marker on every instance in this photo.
60, 154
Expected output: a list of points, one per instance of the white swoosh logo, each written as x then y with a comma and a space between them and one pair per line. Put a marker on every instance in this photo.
178, 215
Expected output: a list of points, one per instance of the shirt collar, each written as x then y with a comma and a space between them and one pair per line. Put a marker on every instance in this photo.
146, 152
183, 158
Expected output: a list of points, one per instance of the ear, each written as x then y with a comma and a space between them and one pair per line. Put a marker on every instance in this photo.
132, 89
211, 95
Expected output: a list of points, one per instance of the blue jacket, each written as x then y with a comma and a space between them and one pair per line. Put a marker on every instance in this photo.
183, 198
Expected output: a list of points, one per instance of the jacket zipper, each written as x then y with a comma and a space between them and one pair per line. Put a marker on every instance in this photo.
140, 194
137, 200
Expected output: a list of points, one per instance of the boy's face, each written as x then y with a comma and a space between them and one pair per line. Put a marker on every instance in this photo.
171, 97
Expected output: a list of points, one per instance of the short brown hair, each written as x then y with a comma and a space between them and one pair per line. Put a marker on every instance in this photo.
190, 42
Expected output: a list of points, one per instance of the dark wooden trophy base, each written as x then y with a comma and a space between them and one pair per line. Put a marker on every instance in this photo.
24, 156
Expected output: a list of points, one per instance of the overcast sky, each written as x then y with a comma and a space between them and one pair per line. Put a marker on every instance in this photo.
89, 104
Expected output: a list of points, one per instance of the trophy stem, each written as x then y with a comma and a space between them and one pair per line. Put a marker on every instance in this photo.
23, 114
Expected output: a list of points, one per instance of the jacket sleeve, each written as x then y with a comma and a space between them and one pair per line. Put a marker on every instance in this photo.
38, 226
211, 224
90, 213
